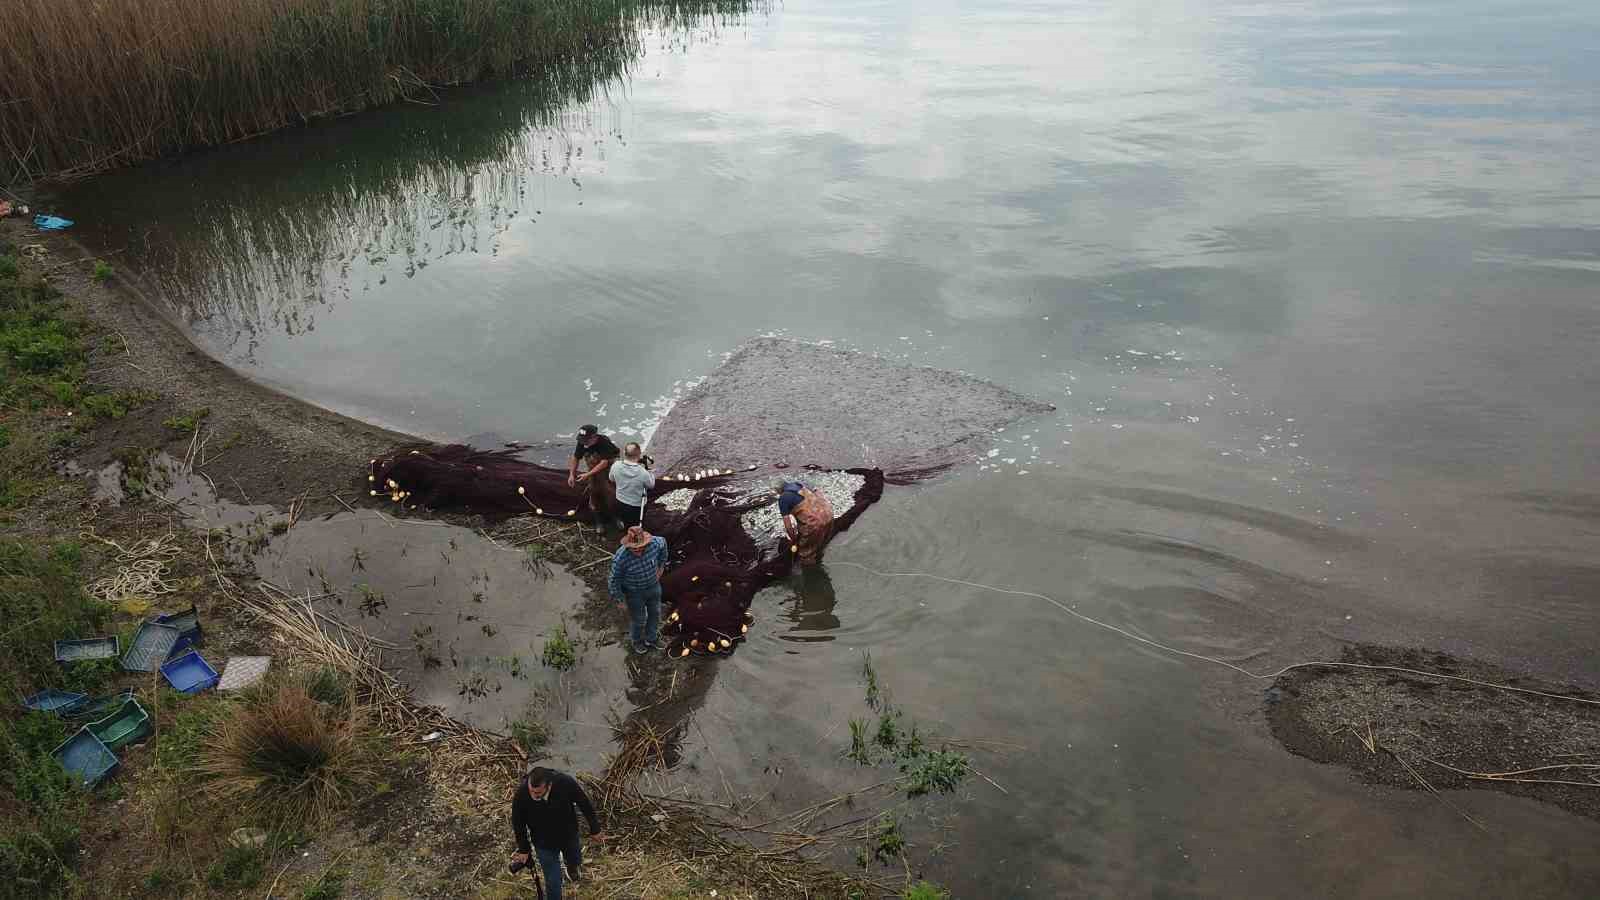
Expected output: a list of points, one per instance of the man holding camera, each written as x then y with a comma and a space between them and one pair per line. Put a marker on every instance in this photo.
544, 818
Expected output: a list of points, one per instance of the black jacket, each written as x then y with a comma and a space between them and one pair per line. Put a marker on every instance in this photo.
551, 823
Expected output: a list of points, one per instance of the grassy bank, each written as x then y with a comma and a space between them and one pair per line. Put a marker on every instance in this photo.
87, 85
319, 784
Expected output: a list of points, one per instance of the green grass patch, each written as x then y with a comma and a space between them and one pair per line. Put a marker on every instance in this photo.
559, 652
934, 771
187, 423
327, 886
237, 868
102, 271
924, 890
38, 846
115, 405
887, 842
860, 748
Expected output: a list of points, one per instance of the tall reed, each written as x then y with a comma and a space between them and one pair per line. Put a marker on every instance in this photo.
87, 85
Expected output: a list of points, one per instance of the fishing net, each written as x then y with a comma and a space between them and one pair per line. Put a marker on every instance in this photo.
723, 533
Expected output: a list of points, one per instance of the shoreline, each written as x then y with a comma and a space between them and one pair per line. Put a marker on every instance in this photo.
282, 451
265, 449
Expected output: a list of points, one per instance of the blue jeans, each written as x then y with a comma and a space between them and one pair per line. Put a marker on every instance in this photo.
644, 613
550, 863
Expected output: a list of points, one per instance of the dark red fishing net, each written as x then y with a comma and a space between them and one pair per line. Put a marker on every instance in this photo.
717, 567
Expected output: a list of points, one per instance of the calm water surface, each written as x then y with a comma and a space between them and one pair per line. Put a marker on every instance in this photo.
1315, 286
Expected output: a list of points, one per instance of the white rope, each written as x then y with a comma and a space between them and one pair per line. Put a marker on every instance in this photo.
1200, 656
142, 572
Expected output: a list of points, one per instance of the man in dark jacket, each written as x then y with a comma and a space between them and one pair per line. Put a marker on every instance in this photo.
596, 453
544, 818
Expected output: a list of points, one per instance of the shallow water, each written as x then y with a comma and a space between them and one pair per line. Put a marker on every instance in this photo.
1312, 286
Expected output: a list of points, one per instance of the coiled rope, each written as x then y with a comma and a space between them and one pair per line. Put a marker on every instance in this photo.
142, 570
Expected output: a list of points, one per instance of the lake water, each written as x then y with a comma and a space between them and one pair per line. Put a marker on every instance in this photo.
1315, 287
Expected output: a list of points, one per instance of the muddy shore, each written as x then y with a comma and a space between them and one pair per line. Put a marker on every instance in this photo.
224, 467
1420, 733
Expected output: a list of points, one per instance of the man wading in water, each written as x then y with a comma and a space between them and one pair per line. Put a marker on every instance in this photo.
544, 817
596, 452
636, 580
808, 520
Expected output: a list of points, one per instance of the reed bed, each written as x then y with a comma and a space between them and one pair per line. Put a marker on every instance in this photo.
87, 85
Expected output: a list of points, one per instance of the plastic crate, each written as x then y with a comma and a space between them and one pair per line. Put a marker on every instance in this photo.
150, 646
100, 707
188, 625
87, 648
56, 701
128, 724
190, 673
86, 757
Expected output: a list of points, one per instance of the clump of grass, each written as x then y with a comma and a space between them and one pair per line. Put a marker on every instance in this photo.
887, 841
373, 602
115, 405
326, 685
102, 271
236, 868
327, 886
186, 424
934, 771
559, 652
531, 735
924, 890
287, 756
39, 834
860, 750
162, 882
869, 677
888, 733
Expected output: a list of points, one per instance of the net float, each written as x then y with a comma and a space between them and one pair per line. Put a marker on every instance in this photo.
373, 493
726, 643
522, 490
685, 652
372, 478
794, 548
694, 578
538, 511
572, 512
744, 629
695, 642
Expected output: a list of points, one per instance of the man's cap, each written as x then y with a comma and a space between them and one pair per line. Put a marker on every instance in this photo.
587, 430
787, 501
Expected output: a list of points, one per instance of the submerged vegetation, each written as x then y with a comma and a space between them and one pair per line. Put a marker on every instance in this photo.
87, 86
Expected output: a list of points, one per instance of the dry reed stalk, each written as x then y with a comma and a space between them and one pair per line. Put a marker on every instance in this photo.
87, 85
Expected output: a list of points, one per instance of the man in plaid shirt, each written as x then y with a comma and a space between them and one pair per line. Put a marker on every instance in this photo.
636, 579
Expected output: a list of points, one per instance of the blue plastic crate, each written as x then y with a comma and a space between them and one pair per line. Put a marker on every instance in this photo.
88, 648
127, 724
190, 673
188, 625
56, 701
86, 757
99, 707
150, 646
